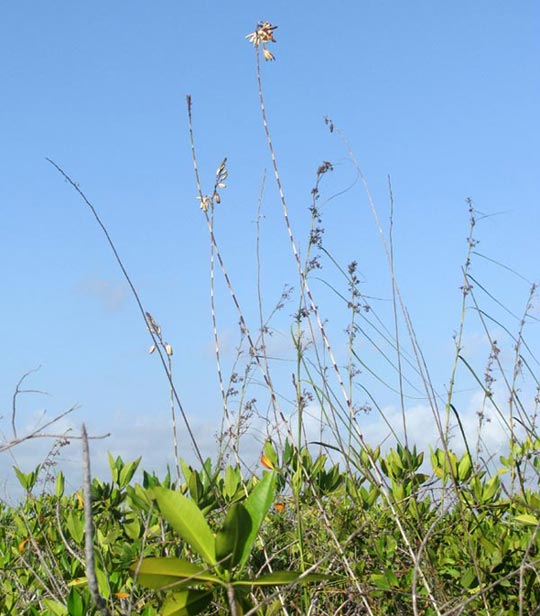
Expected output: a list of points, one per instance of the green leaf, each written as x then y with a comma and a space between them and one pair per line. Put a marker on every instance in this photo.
126, 474
279, 578
195, 486
469, 579
319, 464
186, 469
55, 607
231, 539
257, 505
464, 467
27, 480
59, 485
231, 482
80, 581
75, 525
398, 490
186, 602
103, 584
270, 452
380, 580
115, 466
158, 572
527, 518
75, 604
132, 528
188, 521
139, 497
207, 478
490, 489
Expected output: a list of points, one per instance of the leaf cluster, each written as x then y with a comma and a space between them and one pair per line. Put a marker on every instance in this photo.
218, 543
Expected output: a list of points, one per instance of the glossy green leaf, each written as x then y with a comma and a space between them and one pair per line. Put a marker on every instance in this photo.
159, 572
187, 602
257, 505
280, 578
132, 529
80, 581
186, 469
139, 497
188, 521
55, 607
231, 482
398, 490
75, 525
231, 539
75, 604
527, 518
115, 465
126, 474
464, 467
195, 486
490, 488
59, 484
103, 584
27, 480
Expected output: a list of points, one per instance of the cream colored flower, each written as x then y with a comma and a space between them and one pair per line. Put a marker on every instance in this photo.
205, 202
263, 34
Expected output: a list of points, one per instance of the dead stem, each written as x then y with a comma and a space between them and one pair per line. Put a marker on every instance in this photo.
89, 529
315, 311
206, 202
137, 298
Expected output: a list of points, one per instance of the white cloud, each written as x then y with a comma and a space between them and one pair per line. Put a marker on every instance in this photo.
110, 294
131, 436
150, 436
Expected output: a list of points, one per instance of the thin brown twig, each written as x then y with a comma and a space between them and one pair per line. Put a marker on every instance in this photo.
37, 433
421, 360
395, 310
18, 391
301, 271
139, 304
243, 325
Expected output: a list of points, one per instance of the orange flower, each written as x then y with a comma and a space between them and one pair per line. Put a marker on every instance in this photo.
279, 506
121, 595
266, 462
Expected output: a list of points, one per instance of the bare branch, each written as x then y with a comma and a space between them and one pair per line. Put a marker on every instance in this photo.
19, 391
89, 529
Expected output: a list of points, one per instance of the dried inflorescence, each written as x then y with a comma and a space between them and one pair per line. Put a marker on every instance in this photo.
221, 175
262, 35
155, 329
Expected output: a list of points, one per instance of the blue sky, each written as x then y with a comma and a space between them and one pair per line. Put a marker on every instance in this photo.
443, 97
